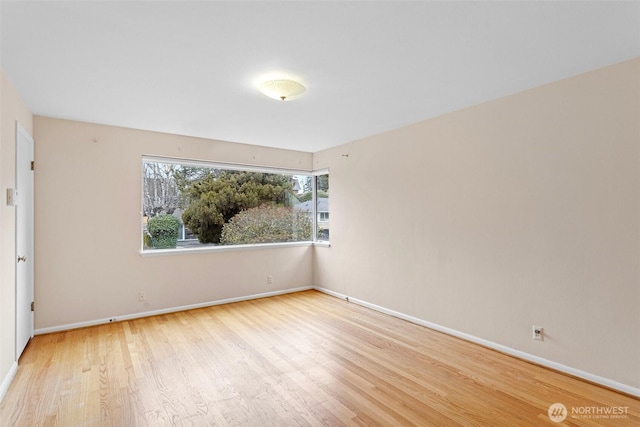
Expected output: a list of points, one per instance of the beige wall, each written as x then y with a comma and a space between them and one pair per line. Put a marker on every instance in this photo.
87, 214
12, 109
520, 211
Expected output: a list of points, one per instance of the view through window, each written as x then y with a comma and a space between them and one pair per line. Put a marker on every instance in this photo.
189, 205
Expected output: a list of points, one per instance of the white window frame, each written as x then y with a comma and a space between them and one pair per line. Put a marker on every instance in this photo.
238, 167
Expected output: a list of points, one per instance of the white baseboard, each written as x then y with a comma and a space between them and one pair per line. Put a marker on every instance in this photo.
6, 382
494, 346
70, 326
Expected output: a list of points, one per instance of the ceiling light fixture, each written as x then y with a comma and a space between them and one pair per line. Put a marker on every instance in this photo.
285, 90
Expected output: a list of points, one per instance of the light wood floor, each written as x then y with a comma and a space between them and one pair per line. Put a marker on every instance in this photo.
298, 359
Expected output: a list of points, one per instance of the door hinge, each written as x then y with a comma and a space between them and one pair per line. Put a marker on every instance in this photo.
32, 306
33, 165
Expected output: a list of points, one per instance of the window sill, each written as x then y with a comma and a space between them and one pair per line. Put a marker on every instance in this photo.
324, 244
223, 248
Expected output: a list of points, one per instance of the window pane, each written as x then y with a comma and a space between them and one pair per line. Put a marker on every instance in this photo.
322, 207
192, 206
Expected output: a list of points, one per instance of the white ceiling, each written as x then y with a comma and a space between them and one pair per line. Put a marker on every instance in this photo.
192, 68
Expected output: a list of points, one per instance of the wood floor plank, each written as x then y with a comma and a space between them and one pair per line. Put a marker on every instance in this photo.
303, 359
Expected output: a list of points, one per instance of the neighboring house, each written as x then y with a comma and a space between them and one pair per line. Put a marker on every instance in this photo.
185, 233
323, 215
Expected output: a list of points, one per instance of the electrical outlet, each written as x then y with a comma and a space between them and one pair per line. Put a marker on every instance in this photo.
538, 333
270, 280
141, 296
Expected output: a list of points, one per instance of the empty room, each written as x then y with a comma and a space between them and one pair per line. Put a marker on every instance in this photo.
262, 213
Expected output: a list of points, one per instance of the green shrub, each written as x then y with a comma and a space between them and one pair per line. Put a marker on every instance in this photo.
164, 230
267, 224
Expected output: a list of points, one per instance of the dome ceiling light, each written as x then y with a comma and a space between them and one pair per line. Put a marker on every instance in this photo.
285, 90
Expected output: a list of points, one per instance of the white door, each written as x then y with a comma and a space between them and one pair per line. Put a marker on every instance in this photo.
24, 239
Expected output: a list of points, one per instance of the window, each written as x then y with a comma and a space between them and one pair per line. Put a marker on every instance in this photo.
189, 204
322, 206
